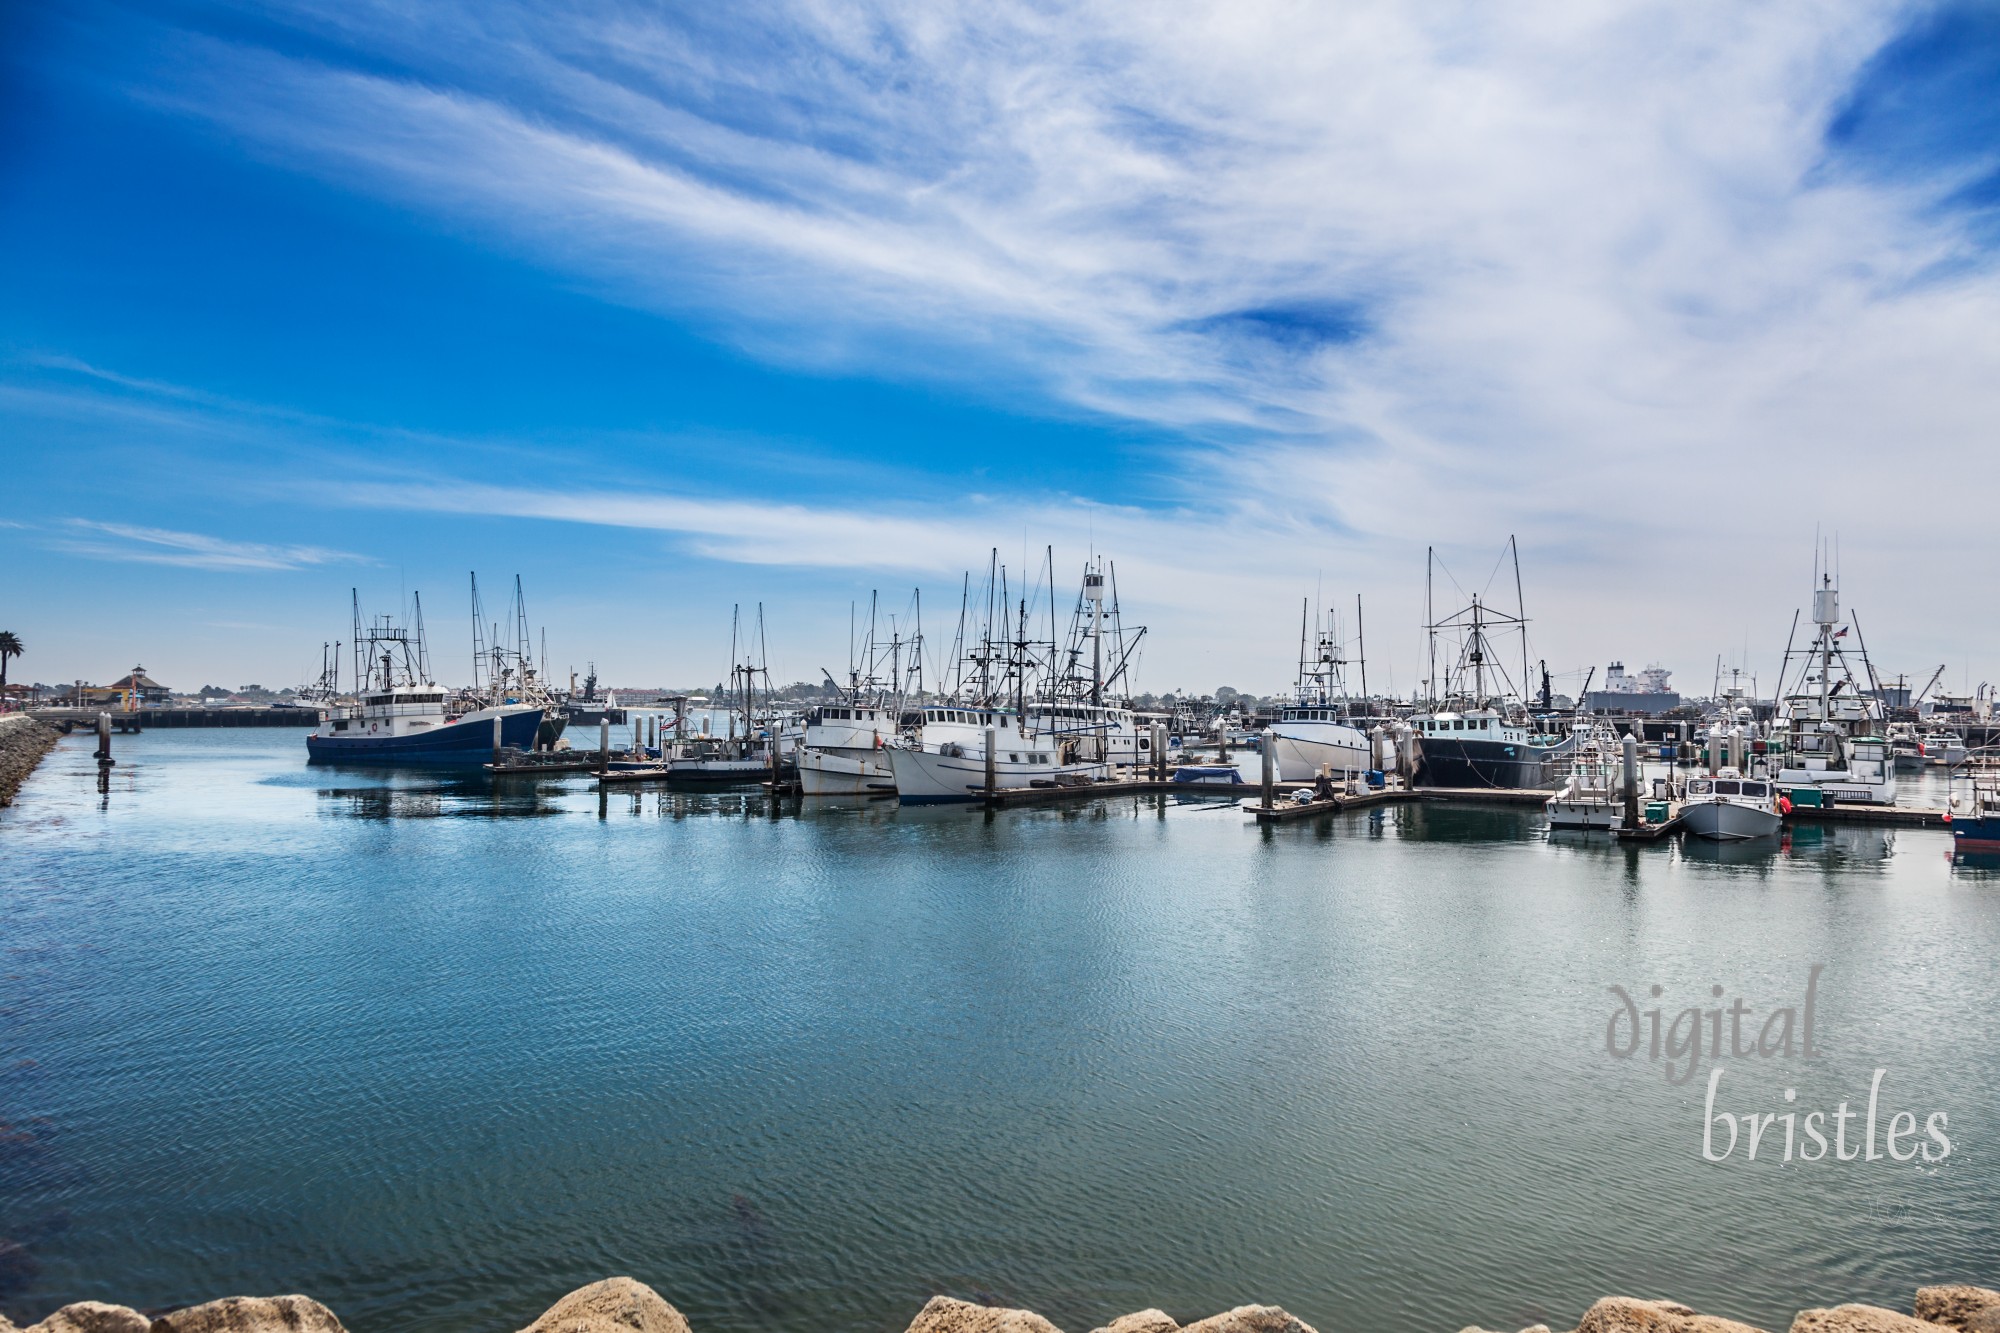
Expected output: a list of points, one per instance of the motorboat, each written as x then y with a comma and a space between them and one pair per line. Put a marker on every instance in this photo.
1591, 795
1730, 807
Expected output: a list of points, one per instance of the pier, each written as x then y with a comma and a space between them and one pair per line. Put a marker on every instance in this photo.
134, 720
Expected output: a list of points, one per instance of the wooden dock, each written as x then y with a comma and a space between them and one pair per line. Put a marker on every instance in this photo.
1894, 816
544, 761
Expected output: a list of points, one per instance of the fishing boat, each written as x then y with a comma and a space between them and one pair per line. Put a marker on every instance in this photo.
1906, 748
1945, 748
504, 674
759, 742
400, 716
962, 753
1973, 809
1834, 727
840, 750
1730, 807
1316, 733
1483, 736
1591, 795
585, 708
1080, 701
983, 736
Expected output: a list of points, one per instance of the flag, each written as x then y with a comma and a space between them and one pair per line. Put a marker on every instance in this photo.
1841, 633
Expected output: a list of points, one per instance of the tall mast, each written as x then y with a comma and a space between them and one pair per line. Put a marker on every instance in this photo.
1361, 646
478, 632
1520, 611
1305, 613
423, 653
1430, 624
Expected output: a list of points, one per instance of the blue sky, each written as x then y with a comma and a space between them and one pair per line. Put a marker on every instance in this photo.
671, 311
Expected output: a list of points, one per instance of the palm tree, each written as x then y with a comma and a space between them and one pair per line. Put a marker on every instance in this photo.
10, 646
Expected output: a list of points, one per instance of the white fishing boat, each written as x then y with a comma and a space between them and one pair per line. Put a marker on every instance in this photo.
843, 751
1730, 807
1079, 702
1592, 792
840, 750
1835, 732
1906, 748
1317, 733
962, 753
1946, 748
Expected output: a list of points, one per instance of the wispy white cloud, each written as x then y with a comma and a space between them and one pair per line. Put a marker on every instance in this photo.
191, 550
1571, 232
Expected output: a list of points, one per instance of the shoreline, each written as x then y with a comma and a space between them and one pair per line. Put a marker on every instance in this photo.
626, 1305
23, 744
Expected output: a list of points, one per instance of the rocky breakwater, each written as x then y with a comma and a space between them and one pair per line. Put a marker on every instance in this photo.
623, 1305
23, 742
1947, 1309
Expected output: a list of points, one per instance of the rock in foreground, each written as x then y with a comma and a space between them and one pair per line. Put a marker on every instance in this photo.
615, 1305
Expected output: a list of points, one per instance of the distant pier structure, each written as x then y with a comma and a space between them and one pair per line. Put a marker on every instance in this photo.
129, 720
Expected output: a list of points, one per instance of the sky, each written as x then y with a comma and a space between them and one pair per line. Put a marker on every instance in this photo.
674, 309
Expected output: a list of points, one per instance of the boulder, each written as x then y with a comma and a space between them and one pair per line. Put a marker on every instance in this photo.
1624, 1314
1251, 1319
1956, 1306
942, 1314
1860, 1319
615, 1305
93, 1317
1141, 1321
252, 1314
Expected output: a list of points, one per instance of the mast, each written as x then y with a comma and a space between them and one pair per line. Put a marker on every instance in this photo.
1361, 646
478, 632
1093, 592
1520, 610
1430, 623
423, 653
1305, 611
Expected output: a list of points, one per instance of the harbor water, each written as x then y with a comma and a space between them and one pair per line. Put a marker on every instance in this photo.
436, 1051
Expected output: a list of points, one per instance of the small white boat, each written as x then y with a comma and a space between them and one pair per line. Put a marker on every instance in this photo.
1944, 747
1731, 808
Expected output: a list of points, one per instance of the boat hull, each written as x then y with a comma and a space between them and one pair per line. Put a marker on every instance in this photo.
926, 777
1451, 761
468, 742
725, 772
826, 773
1299, 756
1976, 834
1728, 821
1583, 813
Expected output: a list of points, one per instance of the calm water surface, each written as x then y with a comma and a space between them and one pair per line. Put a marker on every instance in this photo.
436, 1054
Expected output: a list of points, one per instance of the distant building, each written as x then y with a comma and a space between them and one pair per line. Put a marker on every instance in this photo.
1646, 694
140, 689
